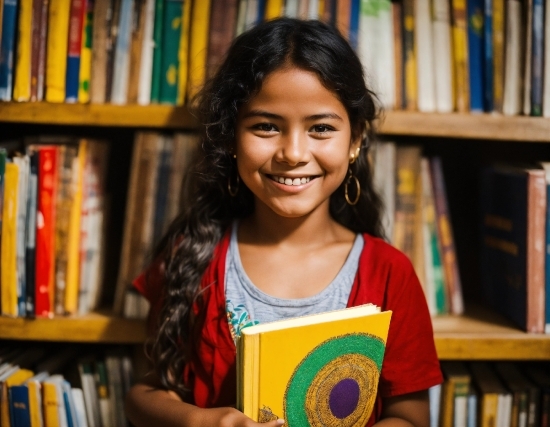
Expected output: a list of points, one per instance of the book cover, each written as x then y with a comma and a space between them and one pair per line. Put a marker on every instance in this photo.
9, 297
101, 24
76, 24
537, 58
22, 79
7, 48
53, 403
13, 377
198, 45
79, 406
171, 27
85, 71
513, 214
460, 55
446, 238
19, 405
87, 381
45, 234
475, 54
102, 385
113, 20
328, 375
57, 43
443, 56
183, 53
43, 38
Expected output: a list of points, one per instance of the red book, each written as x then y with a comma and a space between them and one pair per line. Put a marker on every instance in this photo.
45, 229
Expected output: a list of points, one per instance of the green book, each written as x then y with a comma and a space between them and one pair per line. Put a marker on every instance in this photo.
157, 51
171, 34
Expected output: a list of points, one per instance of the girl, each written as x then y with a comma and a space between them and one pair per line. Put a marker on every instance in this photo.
283, 221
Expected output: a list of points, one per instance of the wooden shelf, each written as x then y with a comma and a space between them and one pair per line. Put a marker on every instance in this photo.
153, 116
92, 328
452, 125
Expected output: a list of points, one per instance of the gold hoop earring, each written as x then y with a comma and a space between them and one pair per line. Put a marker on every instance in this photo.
233, 191
354, 156
357, 186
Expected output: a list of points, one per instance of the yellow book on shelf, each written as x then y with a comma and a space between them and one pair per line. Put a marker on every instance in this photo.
198, 45
183, 53
9, 241
50, 404
22, 86
85, 72
56, 61
73, 246
35, 400
460, 56
17, 378
320, 369
274, 9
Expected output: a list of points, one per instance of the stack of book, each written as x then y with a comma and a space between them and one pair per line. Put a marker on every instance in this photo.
483, 394
65, 389
425, 55
52, 193
417, 220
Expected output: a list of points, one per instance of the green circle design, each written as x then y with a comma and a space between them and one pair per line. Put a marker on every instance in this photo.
367, 345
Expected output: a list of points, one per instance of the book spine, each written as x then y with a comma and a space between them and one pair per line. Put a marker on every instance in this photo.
273, 9
41, 79
146, 65
526, 53
537, 58
121, 65
512, 101
354, 23
157, 47
409, 57
19, 406
222, 28
200, 20
498, 55
475, 54
397, 19
23, 163
35, 46
535, 251
101, 23
547, 259
85, 71
488, 98
76, 23
56, 61
546, 75
30, 241
136, 49
443, 56
183, 53
168, 91
113, 18
45, 236
460, 52
425, 56
343, 16
22, 86
7, 48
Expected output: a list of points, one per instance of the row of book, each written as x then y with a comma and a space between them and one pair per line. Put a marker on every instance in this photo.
63, 388
426, 55
483, 394
417, 220
52, 194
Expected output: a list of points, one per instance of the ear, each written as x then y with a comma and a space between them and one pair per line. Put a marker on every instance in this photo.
354, 148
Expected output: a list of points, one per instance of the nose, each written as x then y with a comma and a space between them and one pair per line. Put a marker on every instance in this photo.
294, 148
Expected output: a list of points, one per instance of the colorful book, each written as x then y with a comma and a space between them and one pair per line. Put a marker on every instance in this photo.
460, 54
513, 215
22, 81
171, 27
85, 72
76, 24
355, 10
331, 373
7, 48
475, 54
9, 297
537, 58
343, 17
493, 396
57, 44
13, 377
157, 46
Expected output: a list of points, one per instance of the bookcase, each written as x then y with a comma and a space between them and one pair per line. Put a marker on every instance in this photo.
463, 140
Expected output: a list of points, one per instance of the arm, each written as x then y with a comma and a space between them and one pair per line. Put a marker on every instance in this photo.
149, 404
409, 410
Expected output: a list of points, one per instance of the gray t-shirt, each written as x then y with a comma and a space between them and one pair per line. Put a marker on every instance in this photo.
247, 305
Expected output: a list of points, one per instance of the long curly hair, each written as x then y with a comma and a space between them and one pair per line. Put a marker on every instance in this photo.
309, 45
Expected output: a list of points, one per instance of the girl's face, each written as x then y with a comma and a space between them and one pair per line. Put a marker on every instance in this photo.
293, 143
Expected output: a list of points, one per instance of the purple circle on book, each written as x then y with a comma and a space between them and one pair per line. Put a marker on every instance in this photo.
344, 398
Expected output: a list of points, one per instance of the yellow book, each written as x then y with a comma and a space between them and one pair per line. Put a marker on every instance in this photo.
22, 83
9, 241
35, 401
17, 378
460, 54
321, 369
56, 61
73, 255
183, 53
50, 403
85, 72
274, 9
198, 45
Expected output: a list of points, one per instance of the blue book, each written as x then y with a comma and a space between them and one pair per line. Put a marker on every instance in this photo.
475, 52
546, 166
537, 57
471, 420
20, 415
354, 23
7, 48
261, 10
513, 215
71, 78
488, 99
168, 90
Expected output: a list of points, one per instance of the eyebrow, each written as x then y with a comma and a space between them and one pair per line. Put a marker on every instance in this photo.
268, 115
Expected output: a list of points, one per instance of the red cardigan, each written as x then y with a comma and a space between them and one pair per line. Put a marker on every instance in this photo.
385, 277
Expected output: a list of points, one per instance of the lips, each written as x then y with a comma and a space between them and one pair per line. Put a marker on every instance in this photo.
291, 181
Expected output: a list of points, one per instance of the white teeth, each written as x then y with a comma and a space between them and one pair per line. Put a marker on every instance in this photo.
291, 181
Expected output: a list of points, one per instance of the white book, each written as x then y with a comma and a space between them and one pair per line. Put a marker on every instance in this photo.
435, 404
80, 409
441, 36
384, 182
424, 56
121, 65
460, 411
147, 48
241, 17
313, 9
546, 76
291, 8
251, 13
513, 101
528, 43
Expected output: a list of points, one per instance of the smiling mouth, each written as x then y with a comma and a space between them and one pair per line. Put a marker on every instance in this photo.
291, 181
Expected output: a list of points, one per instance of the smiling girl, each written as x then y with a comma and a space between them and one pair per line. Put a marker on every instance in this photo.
283, 221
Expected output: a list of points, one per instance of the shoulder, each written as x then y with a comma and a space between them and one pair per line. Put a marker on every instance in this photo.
377, 252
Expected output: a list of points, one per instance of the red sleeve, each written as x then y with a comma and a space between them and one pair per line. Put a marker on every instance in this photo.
410, 363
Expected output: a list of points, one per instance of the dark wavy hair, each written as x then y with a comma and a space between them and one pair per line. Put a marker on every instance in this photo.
309, 45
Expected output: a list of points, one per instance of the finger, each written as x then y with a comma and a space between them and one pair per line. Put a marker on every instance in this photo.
276, 423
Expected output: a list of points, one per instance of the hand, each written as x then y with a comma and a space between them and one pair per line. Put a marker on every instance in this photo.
230, 417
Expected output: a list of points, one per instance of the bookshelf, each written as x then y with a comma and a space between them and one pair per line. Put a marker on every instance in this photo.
477, 335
